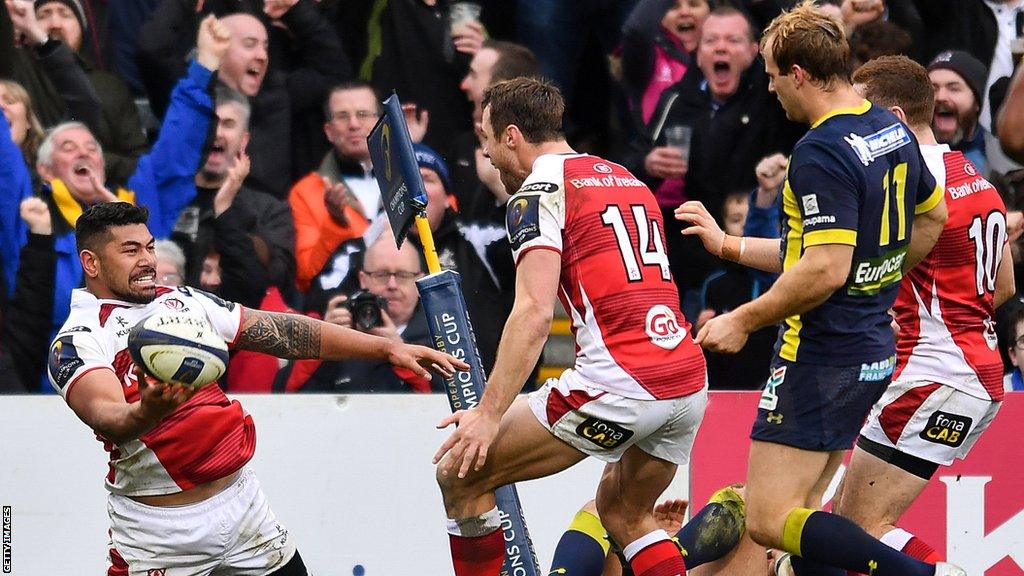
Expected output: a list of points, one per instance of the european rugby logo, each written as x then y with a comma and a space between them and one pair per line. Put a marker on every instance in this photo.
518, 211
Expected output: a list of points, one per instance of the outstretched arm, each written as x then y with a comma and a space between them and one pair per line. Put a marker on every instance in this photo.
521, 344
296, 336
759, 253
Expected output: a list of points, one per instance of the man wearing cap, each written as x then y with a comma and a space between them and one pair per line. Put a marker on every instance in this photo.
959, 81
64, 85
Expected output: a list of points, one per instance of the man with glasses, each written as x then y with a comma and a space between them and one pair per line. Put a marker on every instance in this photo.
390, 274
338, 201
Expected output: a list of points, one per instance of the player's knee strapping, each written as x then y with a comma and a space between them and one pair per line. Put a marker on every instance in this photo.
475, 526
582, 548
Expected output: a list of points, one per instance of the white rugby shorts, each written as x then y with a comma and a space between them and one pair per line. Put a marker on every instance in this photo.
931, 421
233, 532
604, 425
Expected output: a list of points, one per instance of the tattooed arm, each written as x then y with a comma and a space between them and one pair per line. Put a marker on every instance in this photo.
296, 336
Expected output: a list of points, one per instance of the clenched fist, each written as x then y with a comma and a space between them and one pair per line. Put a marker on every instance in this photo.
212, 43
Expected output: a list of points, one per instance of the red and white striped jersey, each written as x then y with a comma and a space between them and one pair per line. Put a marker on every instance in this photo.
945, 304
631, 337
206, 438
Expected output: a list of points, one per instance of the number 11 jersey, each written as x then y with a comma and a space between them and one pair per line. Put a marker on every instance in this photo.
631, 337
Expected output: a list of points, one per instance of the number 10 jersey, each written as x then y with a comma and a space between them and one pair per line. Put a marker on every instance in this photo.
616, 286
945, 304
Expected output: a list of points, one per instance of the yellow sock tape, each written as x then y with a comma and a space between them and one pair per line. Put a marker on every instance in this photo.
590, 524
794, 529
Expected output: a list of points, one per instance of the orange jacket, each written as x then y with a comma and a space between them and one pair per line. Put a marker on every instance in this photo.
317, 235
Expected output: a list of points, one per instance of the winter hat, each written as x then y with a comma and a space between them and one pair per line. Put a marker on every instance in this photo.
426, 157
74, 5
974, 73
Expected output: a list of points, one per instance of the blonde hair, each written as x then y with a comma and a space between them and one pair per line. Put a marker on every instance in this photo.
35, 134
807, 37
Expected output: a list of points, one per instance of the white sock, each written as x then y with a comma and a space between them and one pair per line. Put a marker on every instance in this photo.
643, 542
477, 526
896, 538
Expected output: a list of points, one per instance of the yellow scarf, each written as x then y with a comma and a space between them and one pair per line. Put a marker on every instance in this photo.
70, 209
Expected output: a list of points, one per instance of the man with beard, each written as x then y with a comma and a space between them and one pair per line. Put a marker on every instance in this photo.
71, 165
959, 82
181, 497
588, 232
251, 230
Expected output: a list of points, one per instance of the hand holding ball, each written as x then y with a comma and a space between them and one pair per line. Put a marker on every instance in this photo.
179, 349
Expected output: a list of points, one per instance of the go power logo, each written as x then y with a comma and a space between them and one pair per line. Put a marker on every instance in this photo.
663, 328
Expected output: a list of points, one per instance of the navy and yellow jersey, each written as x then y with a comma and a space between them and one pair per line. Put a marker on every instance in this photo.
856, 178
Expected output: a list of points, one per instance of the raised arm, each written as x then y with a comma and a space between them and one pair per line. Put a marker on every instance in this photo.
80, 99
165, 178
522, 341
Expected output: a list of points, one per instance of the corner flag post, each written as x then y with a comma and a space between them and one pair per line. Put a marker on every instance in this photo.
405, 201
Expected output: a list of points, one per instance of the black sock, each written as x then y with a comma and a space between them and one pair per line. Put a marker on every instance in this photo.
805, 567
835, 541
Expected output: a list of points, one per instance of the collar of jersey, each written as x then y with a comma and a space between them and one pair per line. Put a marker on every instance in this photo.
860, 109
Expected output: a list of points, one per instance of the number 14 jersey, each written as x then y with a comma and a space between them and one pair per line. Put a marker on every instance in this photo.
945, 304
616, 286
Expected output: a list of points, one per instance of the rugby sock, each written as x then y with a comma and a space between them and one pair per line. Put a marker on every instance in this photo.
709, 535
655, 555
910, 545
835, 541
582, 549
805, 567
478, 544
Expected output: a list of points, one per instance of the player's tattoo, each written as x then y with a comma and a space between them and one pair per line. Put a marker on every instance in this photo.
281, 335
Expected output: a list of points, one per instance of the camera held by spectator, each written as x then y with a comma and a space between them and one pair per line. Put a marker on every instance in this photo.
366, 309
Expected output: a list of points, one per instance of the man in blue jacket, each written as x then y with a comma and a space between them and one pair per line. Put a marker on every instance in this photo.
72, 168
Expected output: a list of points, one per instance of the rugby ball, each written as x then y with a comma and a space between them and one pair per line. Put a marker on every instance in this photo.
178, 349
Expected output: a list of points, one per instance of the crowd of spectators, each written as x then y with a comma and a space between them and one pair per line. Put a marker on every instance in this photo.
242, 125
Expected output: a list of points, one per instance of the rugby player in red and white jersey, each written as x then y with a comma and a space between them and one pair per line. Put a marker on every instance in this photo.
587, 232
182, 501
947, 385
